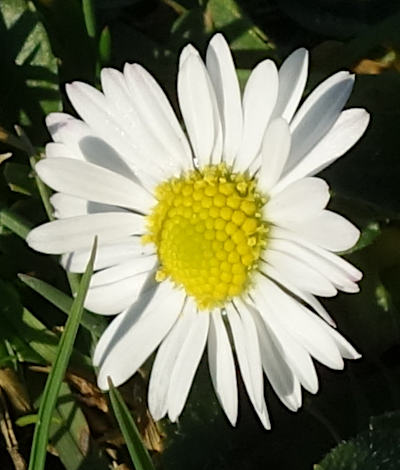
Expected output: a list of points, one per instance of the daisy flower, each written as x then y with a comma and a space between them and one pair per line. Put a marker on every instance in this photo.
217, 237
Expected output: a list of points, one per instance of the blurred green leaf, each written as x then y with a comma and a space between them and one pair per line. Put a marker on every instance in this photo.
138, 452
20, 179
92, 322
53, 383
190, 26
15, 222
226, 16
105, 46
89, 13
368, 235
373, 449
29, 80
10, 305
32, 331
32, 419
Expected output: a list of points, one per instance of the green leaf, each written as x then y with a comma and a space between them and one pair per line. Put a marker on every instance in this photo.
20, 179
368, 235
70, 434
138, 452
375, 448
15, 222
53, 384
29, 79
226, 16
93, 323
89, 14
11, 312
30, 337
32, 419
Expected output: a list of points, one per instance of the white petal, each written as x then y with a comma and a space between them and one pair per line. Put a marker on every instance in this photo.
297, 272
66, 131
326, 90
71, 206
317, 115
308, 298
351, 271
94, 183
186, 365
252, 351
345, 348
347, 130
93, 107
107, 254
259, 100
295, 354
146, 147
80, 142
131, 267
249, 370
222, 367
328, 230
198, 106
274, 153
155, 109
187, 51
114, 289
223, 76
328, 269
143, 328
75, 233
305, 328
283, 381
292, 80
113, 298
108, 334
165, 361
297, 202
55, 150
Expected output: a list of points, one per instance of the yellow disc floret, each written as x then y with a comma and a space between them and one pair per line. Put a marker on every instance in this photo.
209, 234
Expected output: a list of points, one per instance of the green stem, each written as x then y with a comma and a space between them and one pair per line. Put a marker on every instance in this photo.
90, 17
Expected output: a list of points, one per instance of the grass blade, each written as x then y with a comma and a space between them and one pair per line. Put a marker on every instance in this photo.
15, 222
53, 383
138, 452
44, 190
95, 324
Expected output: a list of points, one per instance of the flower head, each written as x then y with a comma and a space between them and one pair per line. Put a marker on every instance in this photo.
220, 230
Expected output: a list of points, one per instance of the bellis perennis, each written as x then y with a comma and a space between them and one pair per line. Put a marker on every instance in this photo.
214, 232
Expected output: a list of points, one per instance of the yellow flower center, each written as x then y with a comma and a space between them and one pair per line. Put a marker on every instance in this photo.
209, 234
